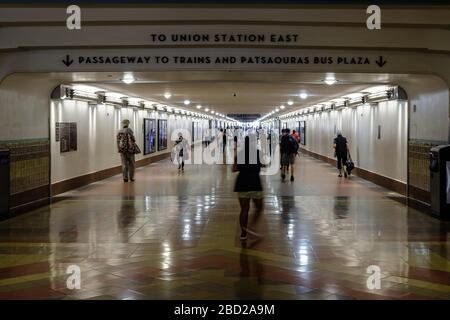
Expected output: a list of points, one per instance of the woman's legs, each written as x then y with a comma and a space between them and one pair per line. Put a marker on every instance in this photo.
179, 161
243, 216
339, 164
259, 204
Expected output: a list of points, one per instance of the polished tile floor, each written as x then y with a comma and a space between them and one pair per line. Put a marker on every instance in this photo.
172, 235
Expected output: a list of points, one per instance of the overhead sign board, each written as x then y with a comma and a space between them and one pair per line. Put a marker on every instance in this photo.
230, 60
244, 117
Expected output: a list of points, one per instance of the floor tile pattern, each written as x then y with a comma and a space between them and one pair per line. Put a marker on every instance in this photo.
174, 235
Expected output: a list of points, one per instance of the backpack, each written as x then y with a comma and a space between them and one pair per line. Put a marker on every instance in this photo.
126, 143
292, 145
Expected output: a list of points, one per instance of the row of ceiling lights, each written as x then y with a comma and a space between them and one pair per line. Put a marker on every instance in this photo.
94, 91
329, 80
187, 102
378, 92
129, 78
302, 96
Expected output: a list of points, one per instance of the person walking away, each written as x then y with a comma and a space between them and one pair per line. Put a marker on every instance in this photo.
283, 132
340, 152
208, 137
127, 147
224, 140
289, 149
248, 186
181, 147
220, 140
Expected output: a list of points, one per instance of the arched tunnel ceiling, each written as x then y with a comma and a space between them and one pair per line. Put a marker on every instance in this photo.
256, 92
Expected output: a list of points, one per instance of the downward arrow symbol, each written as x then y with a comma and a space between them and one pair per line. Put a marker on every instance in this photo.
67, 61
381, 62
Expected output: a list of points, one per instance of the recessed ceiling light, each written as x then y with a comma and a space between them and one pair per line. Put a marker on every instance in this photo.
167, 95
207, 109
290, 102
282, 107
187, 102
303, 95
330, 80
199, 106
276, 110
128, 78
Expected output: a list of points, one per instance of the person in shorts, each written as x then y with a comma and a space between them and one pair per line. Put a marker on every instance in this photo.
288, 149
248, 184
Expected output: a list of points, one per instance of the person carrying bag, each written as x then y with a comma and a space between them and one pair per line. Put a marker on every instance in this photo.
349, 164
127, 147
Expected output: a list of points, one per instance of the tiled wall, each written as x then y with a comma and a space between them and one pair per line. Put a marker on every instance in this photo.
418, 158
29, 164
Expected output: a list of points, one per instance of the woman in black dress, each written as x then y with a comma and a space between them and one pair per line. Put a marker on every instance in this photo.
248, 184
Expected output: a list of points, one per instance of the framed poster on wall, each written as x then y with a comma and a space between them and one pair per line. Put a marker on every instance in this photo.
196, 131
448, 182
162, 134
67, 136
302, 132
149, 136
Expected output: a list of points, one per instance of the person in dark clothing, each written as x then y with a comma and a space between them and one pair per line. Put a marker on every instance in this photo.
289, 150
248, 184
341, 151
224, 137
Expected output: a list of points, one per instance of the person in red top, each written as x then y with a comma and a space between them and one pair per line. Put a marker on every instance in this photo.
295, 135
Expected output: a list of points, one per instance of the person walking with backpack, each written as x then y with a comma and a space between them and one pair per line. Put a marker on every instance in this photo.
127, 147
340, 152
289, 149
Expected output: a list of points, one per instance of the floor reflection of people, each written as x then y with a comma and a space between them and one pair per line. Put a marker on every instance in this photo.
250, 268
126, 217
341, 207
287, 208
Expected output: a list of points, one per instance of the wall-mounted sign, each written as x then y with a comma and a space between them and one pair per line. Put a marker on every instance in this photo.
68, 136
243, 117
149, 136
448, 182
162, 134
224, 60
225, 38
196, 131
302, 132
57, 131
